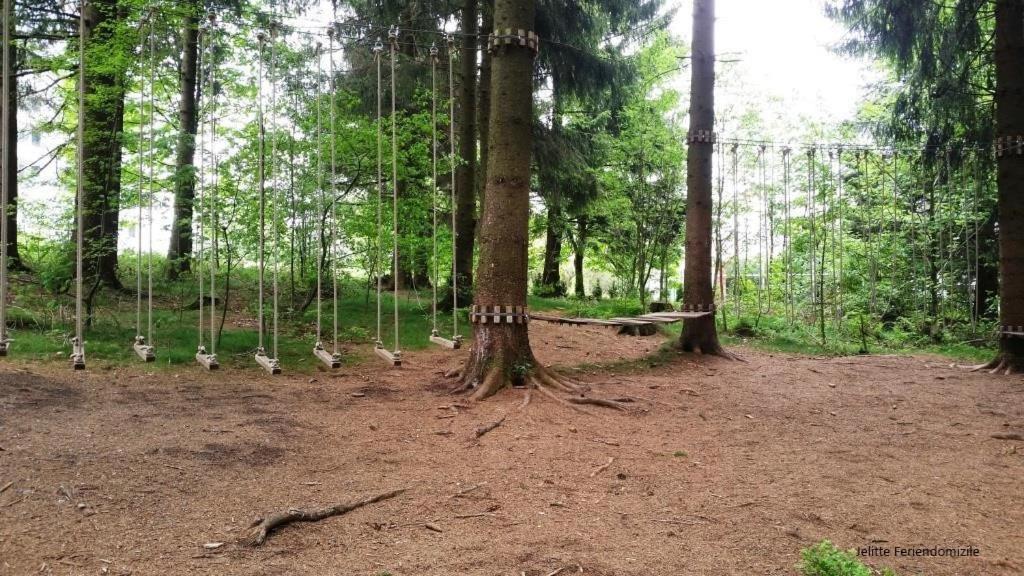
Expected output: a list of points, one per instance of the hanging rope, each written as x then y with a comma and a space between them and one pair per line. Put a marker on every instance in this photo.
215, 173
812, 210
139, 339
433, 177
736, 231
261, 161
78, 343
320, 199
393, 36
152, 186
201, 199
456, 337
786, 242
334, 200
4, 178
275, 187
378, 49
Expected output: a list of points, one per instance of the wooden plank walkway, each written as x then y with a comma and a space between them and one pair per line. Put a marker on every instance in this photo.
653, 318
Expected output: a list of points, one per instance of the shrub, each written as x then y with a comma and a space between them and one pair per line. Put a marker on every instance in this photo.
824, 559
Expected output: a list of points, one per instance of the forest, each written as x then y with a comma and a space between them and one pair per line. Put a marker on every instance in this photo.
448, 267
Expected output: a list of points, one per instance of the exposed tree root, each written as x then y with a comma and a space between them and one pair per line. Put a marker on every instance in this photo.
261, 527
487, 428
597, 402
544, 390
998, 365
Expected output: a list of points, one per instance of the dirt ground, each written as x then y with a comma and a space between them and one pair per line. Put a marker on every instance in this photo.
720, 468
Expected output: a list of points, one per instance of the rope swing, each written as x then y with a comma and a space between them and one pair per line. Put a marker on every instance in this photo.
435, 337
143, 345
78, 342
326, 243
270, 364
208, 206
4, 178
394, 357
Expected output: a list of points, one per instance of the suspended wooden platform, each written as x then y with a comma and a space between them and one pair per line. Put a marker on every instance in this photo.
636, 326
4, 345
393, 358
453, 344
145, 352
271, 365
330, 360
77, 354
206, 360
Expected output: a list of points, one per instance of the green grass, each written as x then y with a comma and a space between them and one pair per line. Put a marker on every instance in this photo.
824, 559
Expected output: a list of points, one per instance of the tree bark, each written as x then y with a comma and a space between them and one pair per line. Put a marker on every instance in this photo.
103, 136
179, 251
579, 254
551, 278
501, 352
700, 334
484, 106
1009, 56
10, 164
465, 174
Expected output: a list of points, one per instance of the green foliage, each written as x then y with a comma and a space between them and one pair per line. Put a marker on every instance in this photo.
824, 559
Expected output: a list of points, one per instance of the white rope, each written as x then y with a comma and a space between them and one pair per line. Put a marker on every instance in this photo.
320, 197
394, 181
201, 196
433, 177
275, 188
261, 249
141, 187
79, 341
334, 195
5, 184
377, 49
451, 154
215, 169
152, 190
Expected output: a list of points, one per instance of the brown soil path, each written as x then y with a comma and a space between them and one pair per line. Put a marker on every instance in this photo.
723, 468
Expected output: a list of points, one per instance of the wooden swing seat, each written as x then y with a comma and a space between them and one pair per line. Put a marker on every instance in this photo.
393, 358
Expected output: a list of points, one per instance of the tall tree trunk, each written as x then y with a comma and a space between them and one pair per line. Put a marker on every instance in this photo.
10, 164
1009, 55
484, 106
501, 352
103, 135
579, 254
179, 250
700, 334
551, 278
465, 174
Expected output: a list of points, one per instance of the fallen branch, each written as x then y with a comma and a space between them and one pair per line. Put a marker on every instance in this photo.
485, 429
5, 487
476, 515
467, 490
597, 402
1007, 437
261, 527
602, 467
